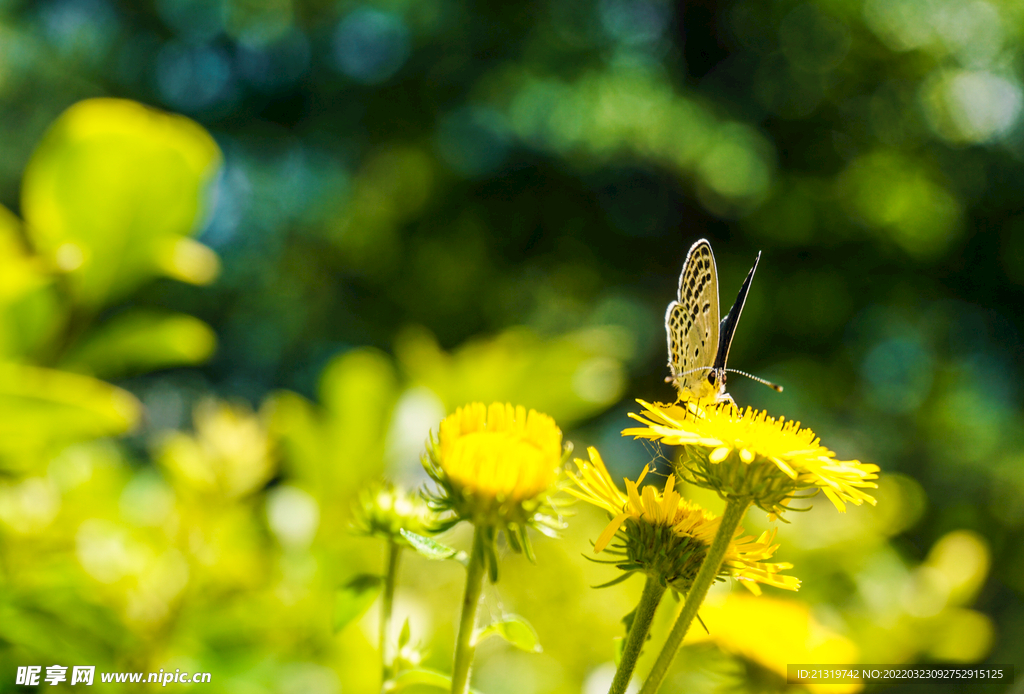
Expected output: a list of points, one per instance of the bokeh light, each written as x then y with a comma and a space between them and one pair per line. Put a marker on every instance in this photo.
370, 45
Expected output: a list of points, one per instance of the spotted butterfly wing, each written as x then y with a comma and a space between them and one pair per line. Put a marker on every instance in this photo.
692, 324
698, 344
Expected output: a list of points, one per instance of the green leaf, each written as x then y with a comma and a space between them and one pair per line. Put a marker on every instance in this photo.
429, 547
358, 389
29, 310
615, 581
41, 407
139, 341
422, 677
514, 629
355, 598
404, 635
111, 193
338, 446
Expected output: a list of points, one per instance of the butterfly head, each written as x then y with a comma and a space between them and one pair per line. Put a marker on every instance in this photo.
716, 383
709, 387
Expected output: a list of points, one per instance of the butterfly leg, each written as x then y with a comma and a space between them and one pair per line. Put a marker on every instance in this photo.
725, 399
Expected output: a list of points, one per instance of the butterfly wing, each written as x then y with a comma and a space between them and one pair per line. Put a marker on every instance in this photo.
692, 323
728, 326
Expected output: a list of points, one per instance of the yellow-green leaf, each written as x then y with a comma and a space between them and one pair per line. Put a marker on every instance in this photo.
514, 629
429, 547
571, 377
28, 305
420, 677
355, 598
40, 406
111, 190
335, 447
139, 341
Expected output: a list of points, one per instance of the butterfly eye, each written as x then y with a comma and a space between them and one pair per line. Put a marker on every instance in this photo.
712, 377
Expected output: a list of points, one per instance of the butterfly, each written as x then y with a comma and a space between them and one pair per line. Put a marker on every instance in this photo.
698, 343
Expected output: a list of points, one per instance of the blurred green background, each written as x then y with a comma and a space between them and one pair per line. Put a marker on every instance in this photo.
214, 331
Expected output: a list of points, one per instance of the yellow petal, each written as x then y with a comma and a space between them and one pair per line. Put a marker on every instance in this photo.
643, 473
785, 468
652, 508
609, 532
719, 454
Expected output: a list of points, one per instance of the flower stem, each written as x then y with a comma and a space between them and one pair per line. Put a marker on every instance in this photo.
387, 602
734, 511
642, 617
464, 647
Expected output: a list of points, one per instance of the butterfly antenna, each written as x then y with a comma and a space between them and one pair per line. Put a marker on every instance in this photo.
777, 388
668, 379
693, 371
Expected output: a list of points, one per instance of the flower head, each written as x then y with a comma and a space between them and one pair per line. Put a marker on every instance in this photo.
496, 467
663, 535
500, 453
745, 454
385, 510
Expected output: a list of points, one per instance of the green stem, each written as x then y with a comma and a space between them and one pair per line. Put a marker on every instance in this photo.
638, 630
464, 646
387, 602
734, 511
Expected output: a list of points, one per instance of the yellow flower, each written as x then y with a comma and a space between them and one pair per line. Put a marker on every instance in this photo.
663, 535
501, 452
496, 467
774, 632
745, 454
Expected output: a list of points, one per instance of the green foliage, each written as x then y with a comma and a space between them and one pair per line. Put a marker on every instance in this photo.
515, 630
141, 341
337, 445
432, 549
111, 195
419, 678
109, 198
571, 378
89, 565
45, 409
355, 598
28, 303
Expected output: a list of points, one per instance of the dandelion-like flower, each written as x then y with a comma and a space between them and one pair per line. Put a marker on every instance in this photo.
744, 454
496, 467
665, 536
384, 511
